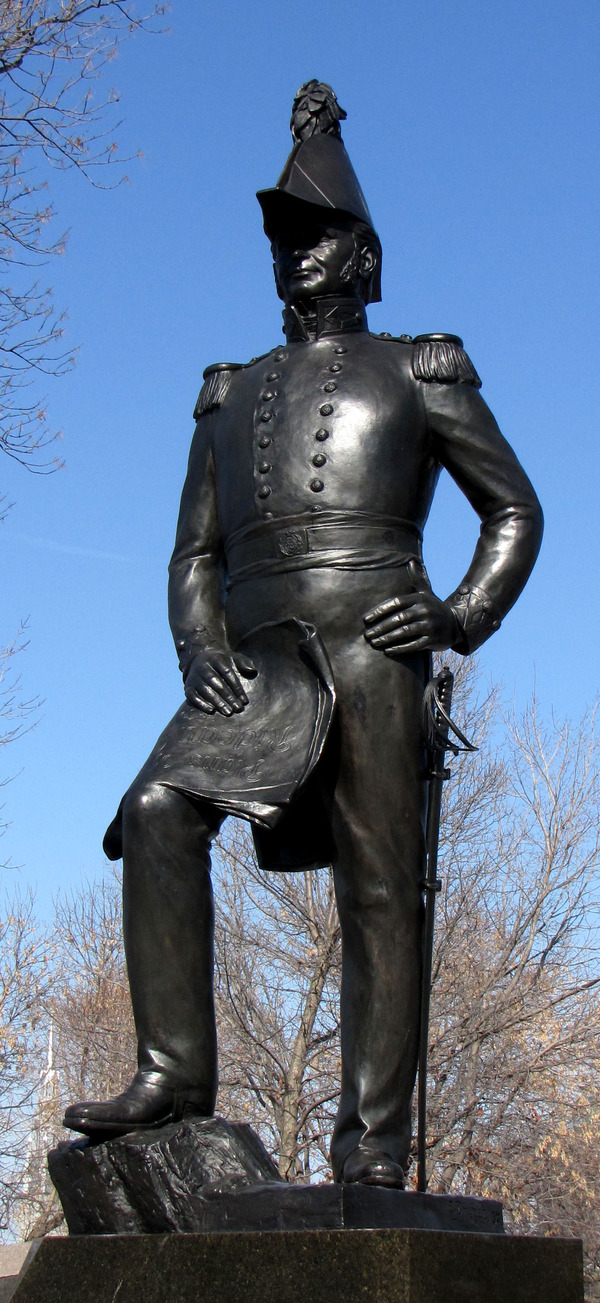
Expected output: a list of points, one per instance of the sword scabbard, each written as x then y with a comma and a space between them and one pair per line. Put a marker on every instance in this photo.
438, 701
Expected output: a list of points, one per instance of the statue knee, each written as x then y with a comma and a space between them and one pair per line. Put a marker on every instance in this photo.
148, 803
150, 807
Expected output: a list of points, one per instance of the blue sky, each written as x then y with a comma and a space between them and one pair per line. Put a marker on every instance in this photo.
474, 132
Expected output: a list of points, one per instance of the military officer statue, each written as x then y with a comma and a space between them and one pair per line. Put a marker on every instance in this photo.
305, 622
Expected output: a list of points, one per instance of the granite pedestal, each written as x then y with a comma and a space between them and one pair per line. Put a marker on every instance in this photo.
384, 1266
197, 1211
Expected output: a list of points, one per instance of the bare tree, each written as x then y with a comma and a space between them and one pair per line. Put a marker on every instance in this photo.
88, 1048
277, 996
52, 53
515, 1047
17, 714
90, 1007
26, 964
514, 1098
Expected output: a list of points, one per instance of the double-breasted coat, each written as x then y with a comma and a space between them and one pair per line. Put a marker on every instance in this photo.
311, 475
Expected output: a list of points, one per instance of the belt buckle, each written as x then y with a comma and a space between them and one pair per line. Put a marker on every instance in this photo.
292, 542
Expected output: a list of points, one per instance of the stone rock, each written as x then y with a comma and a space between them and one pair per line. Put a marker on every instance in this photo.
205, 1175
153, 1181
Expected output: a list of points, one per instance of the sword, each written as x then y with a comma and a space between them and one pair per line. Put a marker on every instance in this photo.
437, 725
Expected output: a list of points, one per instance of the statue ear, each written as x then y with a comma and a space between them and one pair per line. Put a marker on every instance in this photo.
366, 262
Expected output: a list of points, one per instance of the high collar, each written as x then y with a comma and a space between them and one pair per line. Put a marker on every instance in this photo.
335, 315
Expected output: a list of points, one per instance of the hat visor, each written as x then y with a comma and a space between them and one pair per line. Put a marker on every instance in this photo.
282, 211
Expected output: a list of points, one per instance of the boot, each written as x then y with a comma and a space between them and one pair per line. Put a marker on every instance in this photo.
168, 931
366, 1167
147, 1103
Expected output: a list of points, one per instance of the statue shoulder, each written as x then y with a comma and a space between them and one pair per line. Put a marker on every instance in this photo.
393, 339
439, 358
217, 379
442, 359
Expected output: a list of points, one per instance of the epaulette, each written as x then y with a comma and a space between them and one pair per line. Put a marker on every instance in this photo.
217, 379
442, 358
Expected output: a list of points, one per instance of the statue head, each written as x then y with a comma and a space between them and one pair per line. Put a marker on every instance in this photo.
315, 255
316, 217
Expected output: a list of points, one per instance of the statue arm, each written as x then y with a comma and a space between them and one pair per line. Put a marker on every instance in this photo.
469, 444
196, 610
196, 613
467, 441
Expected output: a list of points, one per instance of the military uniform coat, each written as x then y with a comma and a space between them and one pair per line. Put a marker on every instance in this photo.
339, 438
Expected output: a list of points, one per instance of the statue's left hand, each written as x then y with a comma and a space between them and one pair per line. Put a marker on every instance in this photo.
411, 623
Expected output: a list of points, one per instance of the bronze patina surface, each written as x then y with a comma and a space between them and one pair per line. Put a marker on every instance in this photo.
311, 475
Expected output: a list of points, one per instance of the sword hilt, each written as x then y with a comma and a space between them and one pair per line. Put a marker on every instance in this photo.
437, 722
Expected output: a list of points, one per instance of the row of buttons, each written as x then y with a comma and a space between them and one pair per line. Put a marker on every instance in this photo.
266, 416
326, 409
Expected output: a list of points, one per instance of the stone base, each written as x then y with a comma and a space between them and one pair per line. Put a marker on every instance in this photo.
385, 1266
211, 1175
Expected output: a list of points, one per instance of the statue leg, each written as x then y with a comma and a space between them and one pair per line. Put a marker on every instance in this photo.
168, 924
378, 816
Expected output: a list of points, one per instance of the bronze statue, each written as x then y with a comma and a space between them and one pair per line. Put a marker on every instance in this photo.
304, 621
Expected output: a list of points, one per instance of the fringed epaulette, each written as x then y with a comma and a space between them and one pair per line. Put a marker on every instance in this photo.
217, 379
442, 358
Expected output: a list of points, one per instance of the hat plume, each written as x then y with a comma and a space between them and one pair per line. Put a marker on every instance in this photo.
315, 111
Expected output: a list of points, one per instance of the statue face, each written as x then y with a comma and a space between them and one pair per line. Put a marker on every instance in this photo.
315, 261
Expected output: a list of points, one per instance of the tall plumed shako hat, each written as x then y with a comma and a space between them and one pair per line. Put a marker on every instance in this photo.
318, 173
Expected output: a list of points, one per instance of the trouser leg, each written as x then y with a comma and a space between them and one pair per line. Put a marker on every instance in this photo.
168, 924
378, 816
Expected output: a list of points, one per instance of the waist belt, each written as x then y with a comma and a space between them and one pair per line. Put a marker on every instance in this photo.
341, 540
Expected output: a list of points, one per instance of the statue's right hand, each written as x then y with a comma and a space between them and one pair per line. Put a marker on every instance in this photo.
212, 682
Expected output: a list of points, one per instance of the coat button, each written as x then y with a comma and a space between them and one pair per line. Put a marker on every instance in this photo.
317, 486
280, 357
264, 467
340, 350
264, 441
322, 435
337, 366
266, 416
330, 387
268, 396
264, 491
273, 375
319, 459
326, 409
